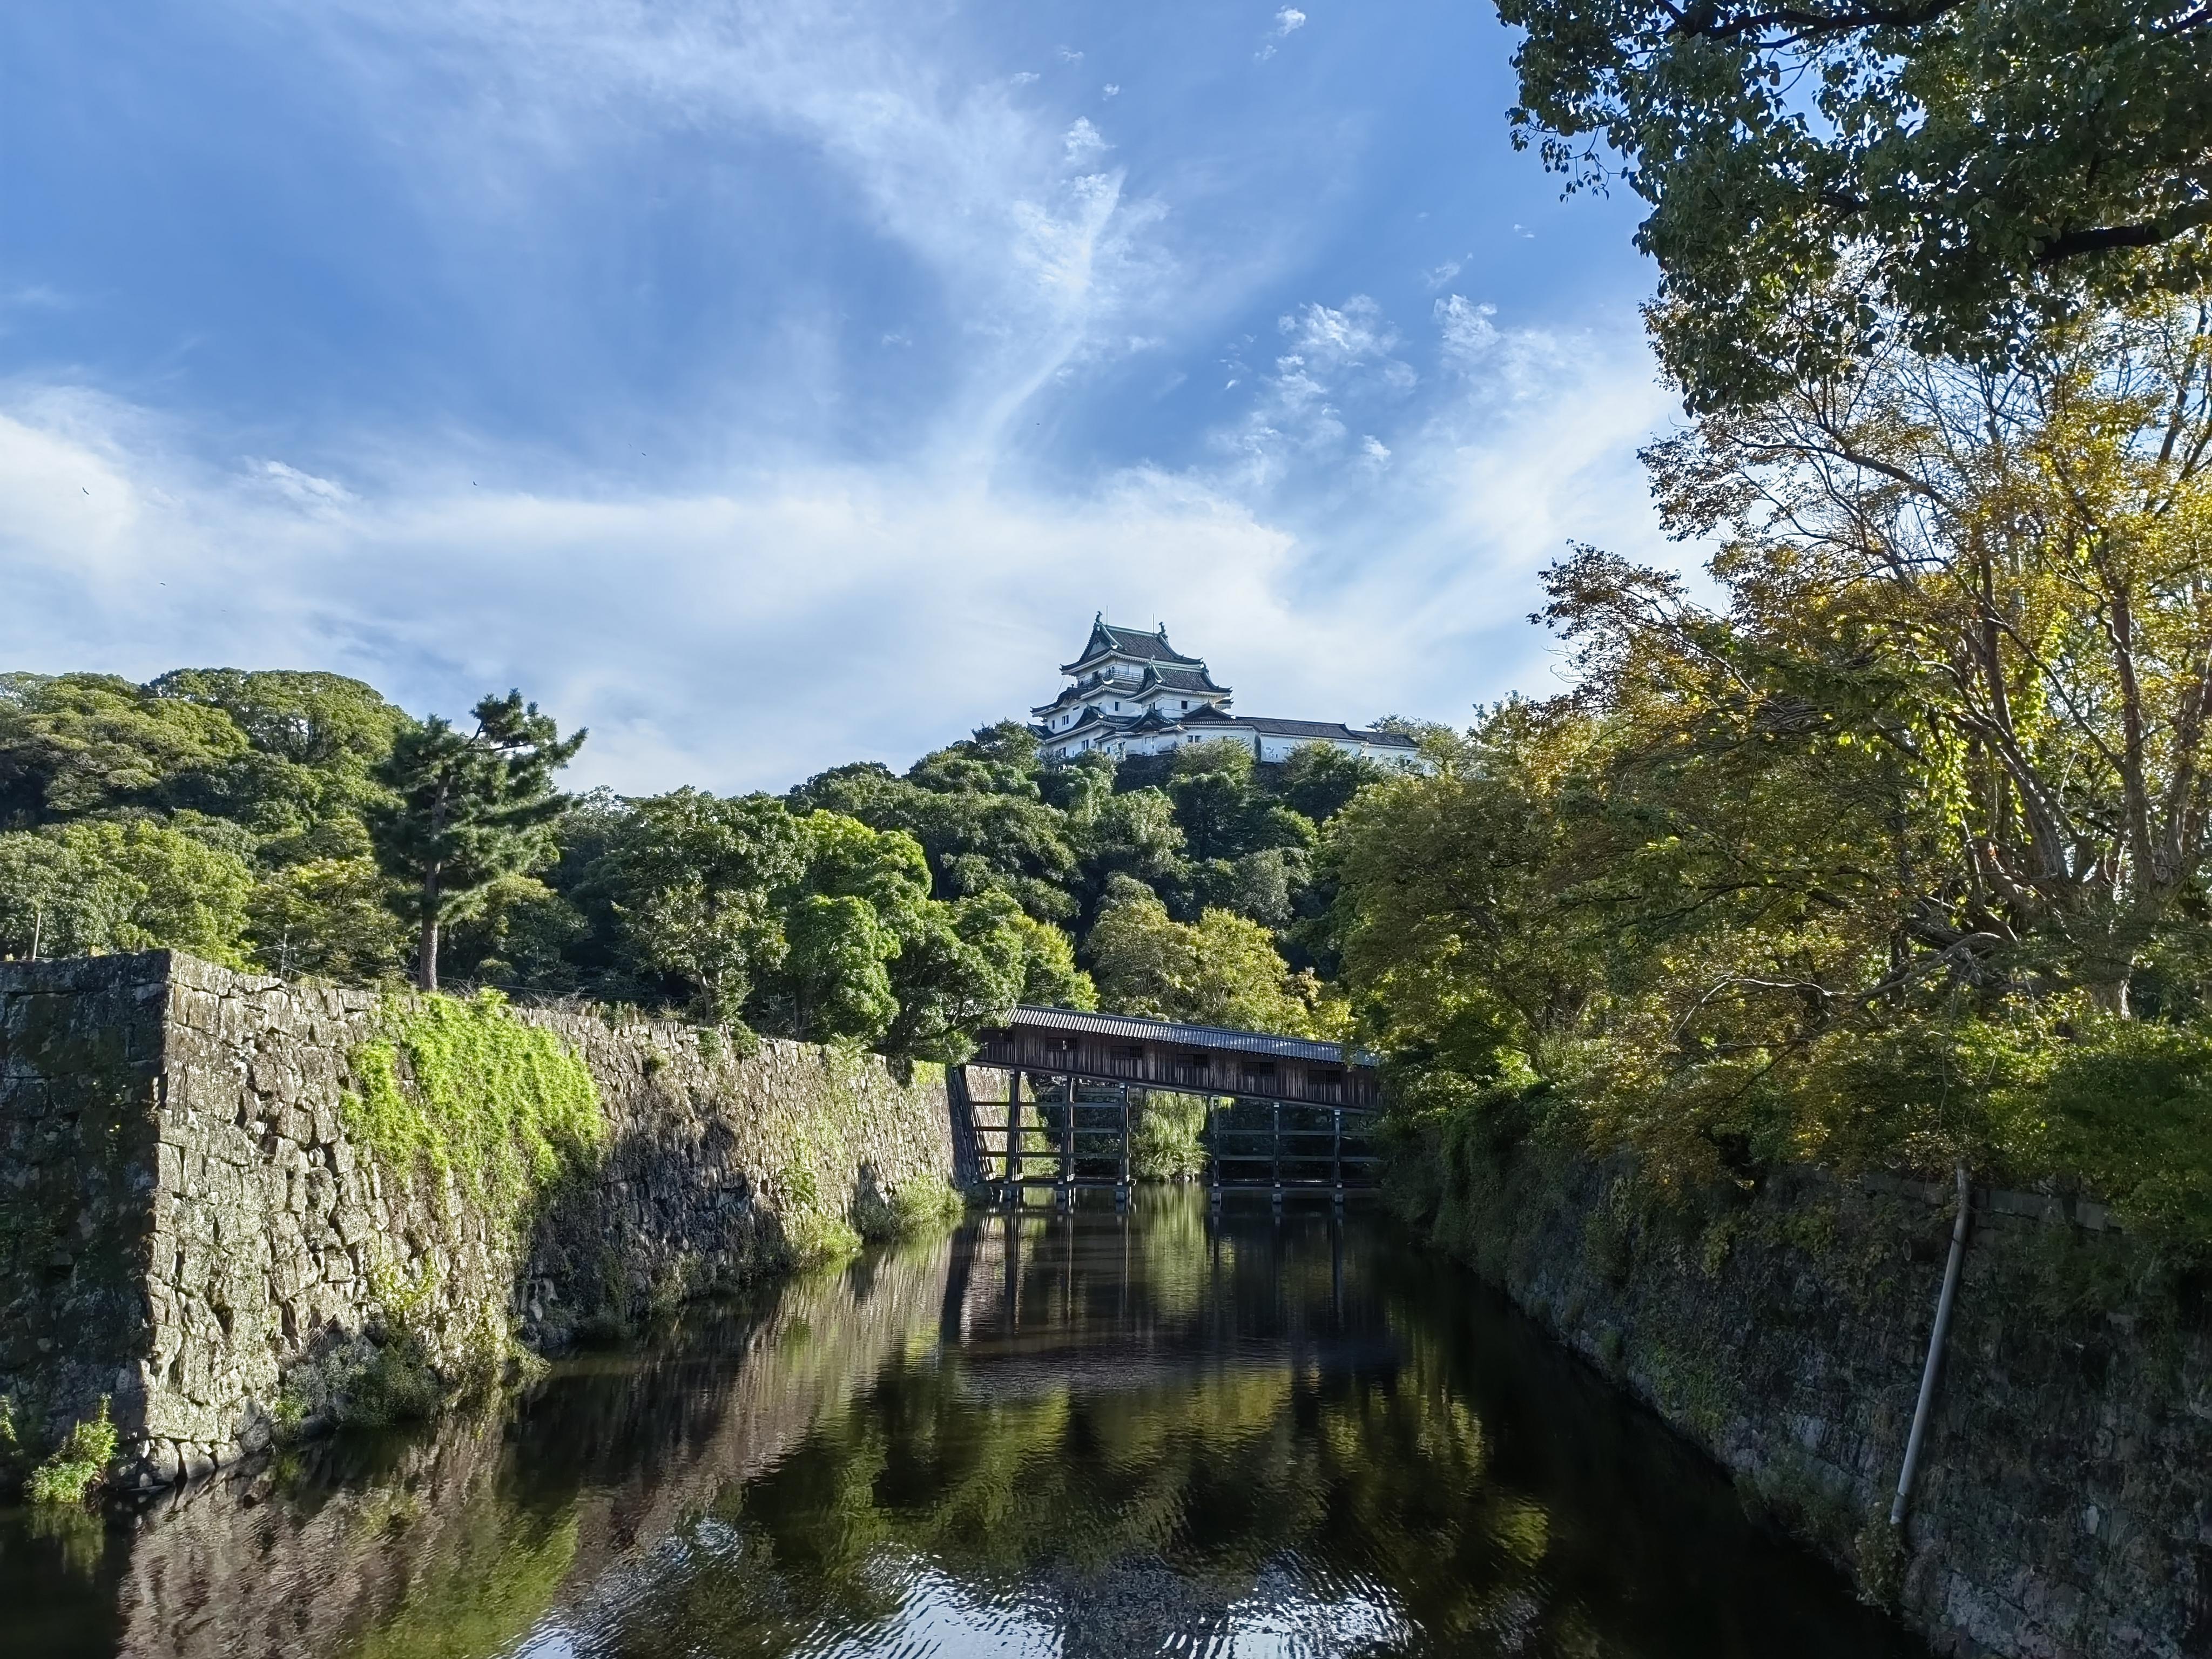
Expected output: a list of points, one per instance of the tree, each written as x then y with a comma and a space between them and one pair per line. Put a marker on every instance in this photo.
1050, 978
75, 745
692, 878
1968, 165
331, 917
1994, 585
837, 986
471, 807
857, 899
101, 885
315, 742
964, 970
1222, 970
1320, 780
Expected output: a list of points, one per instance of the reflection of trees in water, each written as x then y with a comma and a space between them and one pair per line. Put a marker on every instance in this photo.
453, 1543
1270, 1436
1188, 1427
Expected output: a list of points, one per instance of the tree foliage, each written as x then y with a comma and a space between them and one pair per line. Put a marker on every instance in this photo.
467, 809
99, 886
1961, 168
1219, 970
1861, 861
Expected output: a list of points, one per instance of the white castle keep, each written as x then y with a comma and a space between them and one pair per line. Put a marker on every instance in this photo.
1131, 693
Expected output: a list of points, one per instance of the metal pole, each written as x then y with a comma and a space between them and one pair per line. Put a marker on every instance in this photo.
1336, 1150
1067, 1146
1935, 1353
1013, 1165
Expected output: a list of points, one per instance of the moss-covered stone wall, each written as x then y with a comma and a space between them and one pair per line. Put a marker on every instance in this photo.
2064, 1507
204, 1220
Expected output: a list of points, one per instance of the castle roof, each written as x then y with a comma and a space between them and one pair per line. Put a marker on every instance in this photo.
1107, 640
1155, 678
1336, 729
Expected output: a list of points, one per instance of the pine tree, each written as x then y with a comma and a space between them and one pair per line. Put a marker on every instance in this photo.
472, 808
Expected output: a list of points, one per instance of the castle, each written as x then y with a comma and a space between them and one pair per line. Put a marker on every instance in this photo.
1132, 693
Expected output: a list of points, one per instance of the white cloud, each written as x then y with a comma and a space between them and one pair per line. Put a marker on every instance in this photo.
1358, 537
1025, 76
1111, 89
1287, 22
301, 489
1469, 334
1083, 142
1438, 275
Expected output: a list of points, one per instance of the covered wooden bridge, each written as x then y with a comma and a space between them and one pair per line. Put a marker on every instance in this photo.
1283, 1114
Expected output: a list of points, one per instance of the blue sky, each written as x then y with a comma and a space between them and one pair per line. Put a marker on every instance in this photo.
768, 386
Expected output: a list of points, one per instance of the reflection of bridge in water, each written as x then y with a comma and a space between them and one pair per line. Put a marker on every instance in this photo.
1283, 1115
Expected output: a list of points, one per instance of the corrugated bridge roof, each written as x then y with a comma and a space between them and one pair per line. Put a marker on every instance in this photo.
1196, 1036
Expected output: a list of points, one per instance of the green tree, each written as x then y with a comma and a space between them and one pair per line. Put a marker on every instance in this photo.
72, 745
315, 740
1221, 970
837, 985
1050, 978
331, 917
101, 885
1963, 164
965, 969
468, 808
692, 878
976, 814
1320, 780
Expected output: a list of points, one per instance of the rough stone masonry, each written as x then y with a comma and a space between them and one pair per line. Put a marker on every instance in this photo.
189, 1229
2064, 1507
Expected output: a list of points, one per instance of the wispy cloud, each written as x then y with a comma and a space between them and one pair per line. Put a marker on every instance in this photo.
1347, 522
1287, 22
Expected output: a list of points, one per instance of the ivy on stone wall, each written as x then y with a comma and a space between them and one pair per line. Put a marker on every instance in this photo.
463, 1088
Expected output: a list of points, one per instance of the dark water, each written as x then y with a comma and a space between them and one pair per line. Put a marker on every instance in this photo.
1079, 1435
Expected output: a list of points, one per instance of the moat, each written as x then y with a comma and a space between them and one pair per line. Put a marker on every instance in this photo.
1087, 1434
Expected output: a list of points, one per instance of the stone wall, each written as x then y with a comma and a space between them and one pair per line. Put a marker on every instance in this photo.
190, 1228
2064, 1507
2064, 1496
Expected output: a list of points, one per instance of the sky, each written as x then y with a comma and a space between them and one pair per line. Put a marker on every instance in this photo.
767, 387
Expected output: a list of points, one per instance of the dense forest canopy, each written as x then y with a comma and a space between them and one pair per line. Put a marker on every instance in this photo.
300, 823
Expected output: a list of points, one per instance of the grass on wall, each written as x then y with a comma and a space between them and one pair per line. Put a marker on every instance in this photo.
464, 1088
78, 1464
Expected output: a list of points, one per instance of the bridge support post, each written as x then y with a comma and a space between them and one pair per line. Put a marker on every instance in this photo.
1336, 1156
1011, 1171
1275, 1156
1121, 1185
1213, 1149
1067, 1148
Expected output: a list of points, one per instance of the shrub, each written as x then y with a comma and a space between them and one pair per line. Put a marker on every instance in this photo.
77, 1464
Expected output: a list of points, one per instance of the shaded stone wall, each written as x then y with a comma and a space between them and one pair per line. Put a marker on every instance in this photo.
2064, 1507
188, 1229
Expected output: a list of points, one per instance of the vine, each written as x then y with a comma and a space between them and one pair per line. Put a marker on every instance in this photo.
464, 1088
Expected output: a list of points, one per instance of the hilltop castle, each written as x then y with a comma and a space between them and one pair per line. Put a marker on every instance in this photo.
1131, 693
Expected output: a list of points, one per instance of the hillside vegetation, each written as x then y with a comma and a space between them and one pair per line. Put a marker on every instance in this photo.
284, 821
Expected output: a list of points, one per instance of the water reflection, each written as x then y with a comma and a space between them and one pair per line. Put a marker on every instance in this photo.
1086, 1435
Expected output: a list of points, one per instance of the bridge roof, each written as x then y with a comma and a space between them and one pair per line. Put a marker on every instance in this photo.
1197, 1037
